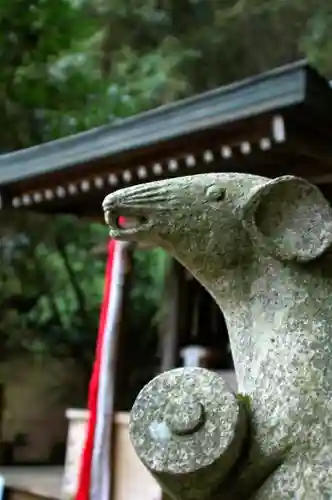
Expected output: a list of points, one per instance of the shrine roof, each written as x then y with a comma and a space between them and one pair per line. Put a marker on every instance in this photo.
277, 122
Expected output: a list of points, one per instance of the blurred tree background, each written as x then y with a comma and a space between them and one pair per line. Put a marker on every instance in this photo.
69, 65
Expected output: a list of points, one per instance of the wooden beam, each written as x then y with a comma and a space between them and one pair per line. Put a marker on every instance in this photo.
266, 159
5, 198
327, 191
90, 176
306, 142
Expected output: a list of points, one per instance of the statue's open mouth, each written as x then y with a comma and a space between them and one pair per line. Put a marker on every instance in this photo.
125, 224
130, 222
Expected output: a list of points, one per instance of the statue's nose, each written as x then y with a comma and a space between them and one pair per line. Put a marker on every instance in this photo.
111, 202
110, 208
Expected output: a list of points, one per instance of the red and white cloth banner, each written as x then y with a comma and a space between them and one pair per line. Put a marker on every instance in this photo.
95, 474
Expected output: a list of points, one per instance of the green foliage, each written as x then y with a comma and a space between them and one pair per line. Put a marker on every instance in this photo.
70, 65
51, 286
216, 42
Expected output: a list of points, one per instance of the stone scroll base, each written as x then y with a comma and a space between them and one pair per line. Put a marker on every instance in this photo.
194, 435
189, 430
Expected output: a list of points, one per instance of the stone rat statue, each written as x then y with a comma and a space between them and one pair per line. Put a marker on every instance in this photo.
261, 247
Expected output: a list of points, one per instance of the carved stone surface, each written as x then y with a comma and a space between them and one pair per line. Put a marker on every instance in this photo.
261, 247
189, 430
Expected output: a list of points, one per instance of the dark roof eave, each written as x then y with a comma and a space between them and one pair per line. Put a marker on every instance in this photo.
279, 88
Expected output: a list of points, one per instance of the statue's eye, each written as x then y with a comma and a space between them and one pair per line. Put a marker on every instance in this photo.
216, 193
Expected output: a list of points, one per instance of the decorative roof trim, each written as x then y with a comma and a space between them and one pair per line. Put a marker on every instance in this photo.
220, 154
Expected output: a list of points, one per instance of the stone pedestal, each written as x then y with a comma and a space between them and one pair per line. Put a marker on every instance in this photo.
77, 425
131, 481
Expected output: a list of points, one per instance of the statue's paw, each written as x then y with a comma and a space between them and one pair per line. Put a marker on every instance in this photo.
189, 430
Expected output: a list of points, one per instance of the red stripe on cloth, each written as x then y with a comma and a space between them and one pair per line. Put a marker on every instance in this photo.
83, 491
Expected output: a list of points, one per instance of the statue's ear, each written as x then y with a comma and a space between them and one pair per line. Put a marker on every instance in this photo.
290, 219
